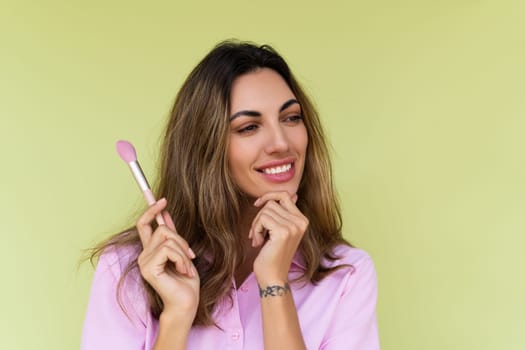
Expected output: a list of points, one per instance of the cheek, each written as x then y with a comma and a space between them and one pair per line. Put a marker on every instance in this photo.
301, 139
237, 158
232, 158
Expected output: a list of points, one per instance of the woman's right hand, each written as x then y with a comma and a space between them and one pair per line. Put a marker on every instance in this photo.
177, 283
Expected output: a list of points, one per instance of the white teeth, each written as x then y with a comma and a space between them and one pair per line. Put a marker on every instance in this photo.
278, 170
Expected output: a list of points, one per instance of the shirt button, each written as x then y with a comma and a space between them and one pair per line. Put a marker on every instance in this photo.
235, 336
244, 289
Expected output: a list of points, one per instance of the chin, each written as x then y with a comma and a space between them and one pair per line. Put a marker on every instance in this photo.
291, 189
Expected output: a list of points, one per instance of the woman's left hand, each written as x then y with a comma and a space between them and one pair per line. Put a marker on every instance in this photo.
279, 227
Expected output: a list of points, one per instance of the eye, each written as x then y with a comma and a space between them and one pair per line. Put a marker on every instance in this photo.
248, 129
294, 119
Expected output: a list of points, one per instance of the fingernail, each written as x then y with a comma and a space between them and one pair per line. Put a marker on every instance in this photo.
192, 254
162, 200
256, 202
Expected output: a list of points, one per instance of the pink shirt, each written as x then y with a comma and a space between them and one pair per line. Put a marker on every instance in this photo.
337, 313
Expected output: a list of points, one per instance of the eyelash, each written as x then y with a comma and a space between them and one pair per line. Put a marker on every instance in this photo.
247, 129
294, 119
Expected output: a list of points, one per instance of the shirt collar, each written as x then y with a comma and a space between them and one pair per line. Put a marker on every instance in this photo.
298, 260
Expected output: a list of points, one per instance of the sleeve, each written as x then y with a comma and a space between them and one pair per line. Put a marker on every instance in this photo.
354, 326
106, 325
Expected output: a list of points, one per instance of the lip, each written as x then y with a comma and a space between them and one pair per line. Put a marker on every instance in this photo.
276, 163
279, 177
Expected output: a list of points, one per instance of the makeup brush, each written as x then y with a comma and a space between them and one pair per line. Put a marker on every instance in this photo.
126, 151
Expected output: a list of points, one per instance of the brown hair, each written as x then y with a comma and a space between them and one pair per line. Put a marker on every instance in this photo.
201, 194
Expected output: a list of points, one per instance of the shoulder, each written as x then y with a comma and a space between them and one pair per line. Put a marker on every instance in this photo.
347, 255
118, 312
119, 281
114, 263
116, 259
353, 298
357, 267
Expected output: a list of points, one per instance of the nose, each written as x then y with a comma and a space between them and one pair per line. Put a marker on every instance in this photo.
277, 140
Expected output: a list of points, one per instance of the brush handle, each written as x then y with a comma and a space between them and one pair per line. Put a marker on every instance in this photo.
139, 176
151, 200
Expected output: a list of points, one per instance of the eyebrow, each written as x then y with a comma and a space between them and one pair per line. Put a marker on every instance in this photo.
249, 113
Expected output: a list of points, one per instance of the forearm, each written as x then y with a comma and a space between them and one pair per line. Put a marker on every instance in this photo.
280, 321
173, 334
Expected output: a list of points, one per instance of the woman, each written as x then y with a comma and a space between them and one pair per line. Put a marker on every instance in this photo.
252, 254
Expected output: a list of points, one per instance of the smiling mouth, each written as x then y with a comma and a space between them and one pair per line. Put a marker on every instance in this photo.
276, 170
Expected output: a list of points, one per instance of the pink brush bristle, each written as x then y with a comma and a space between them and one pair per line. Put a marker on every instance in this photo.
126, 151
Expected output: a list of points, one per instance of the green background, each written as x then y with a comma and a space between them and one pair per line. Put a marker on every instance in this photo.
422, 100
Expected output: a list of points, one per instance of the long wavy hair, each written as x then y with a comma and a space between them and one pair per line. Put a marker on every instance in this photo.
202, 197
